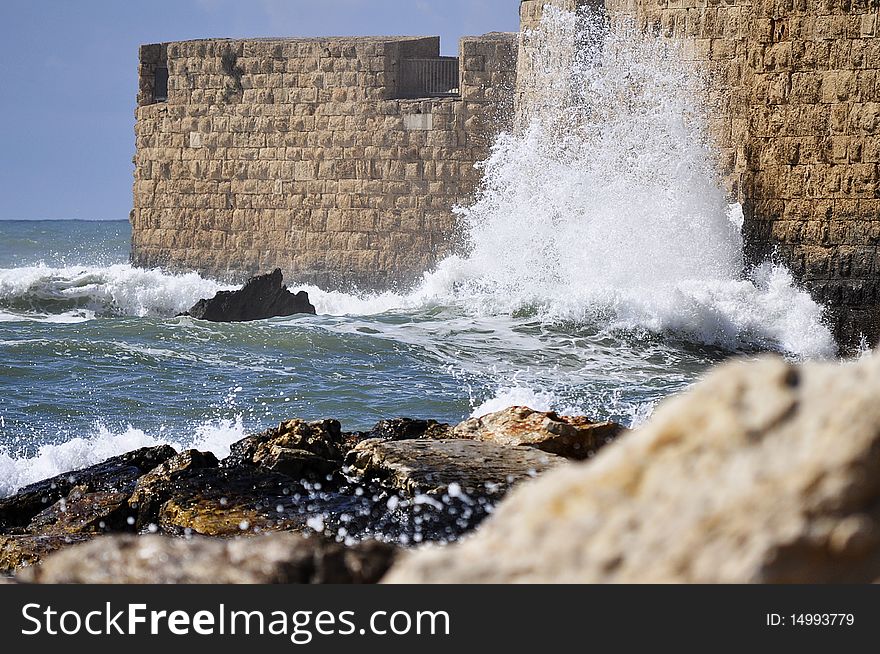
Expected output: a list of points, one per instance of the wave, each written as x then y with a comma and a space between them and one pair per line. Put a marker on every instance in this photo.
508, 396
17, 471
605, 209
42, 292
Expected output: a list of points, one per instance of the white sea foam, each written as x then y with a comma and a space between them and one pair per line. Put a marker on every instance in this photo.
606, 207
18, 471
80, 292
508, 396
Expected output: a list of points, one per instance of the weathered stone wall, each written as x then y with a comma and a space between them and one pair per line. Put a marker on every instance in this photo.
794, 107
810, 160
300, 154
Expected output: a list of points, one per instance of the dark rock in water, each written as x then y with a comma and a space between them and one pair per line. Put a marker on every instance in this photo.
260, 298
431, 467
19, 550
268, 559
116, 475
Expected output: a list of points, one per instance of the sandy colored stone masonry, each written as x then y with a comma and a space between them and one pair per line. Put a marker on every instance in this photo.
794, 106
301, 154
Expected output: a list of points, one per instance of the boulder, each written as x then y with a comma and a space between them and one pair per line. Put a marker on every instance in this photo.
268, 559
431, 466
300, 464
765, 472
261, 297
401, 429
83, 512
227, 501
116, 475
157, 486
296, 448
436, 490
572, 437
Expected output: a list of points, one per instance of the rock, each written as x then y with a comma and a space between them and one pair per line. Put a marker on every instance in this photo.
296, 463
229, 501
400, 429
17, 551
261, 297
572, 437
157, 486
275, 559
83, 512
116, 475
429, 467
437, 489
765, 472
296, 448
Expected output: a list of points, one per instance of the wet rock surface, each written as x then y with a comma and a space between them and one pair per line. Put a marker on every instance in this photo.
153, 489
262, 297
269, 559
405, 481
116, 475
401, 429
83, 512
296, 447
431, 466
229, 501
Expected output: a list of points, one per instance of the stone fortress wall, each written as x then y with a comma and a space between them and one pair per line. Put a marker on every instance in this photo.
316, 156
338, 160
794, 108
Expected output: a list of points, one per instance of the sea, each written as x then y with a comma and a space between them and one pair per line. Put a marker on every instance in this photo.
602, 271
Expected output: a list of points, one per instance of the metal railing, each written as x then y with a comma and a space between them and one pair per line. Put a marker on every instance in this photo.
429, 78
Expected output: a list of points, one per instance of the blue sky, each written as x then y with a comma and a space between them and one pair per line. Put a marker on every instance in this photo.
68, 79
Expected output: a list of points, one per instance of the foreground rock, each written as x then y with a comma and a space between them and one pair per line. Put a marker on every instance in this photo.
274, 559
261, 297
82, 512
572, 437
229, 501
765, 472
157, 486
